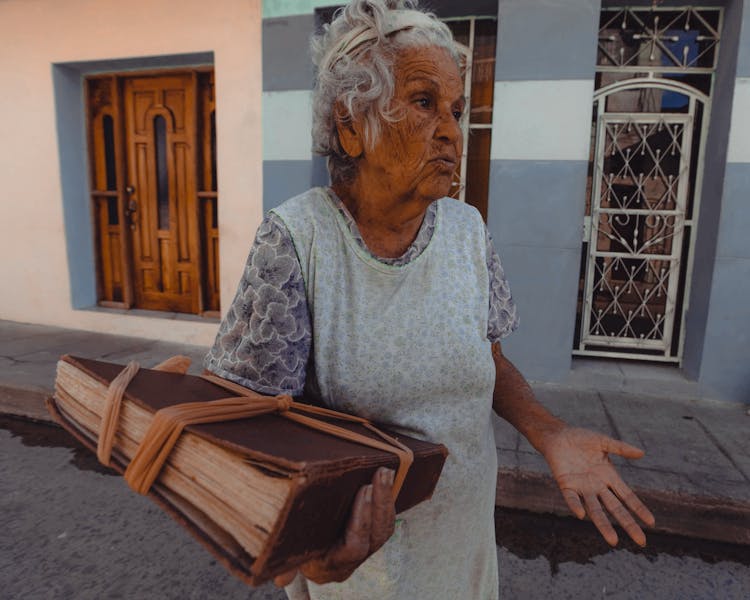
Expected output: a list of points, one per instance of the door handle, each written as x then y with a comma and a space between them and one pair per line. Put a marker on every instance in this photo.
131, 210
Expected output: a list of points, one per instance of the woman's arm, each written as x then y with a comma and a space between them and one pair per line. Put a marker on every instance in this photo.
578, 458
264, 340
264, 343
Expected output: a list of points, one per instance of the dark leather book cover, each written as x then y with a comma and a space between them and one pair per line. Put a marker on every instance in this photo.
325, 472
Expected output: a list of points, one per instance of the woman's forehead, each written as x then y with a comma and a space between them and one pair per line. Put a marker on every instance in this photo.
431, 64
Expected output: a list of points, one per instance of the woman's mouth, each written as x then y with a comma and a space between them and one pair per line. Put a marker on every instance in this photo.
445, 162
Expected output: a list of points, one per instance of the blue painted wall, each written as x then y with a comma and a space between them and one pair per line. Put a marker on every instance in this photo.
535, 218
713, 190
536, 206
70, 118
71, 135
283, 179
724, 365
286, 53
546, 40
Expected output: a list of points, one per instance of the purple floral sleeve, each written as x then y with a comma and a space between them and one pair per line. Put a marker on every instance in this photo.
264, 341
503, 317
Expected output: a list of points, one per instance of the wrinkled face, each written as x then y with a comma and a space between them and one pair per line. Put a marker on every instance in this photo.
415, 158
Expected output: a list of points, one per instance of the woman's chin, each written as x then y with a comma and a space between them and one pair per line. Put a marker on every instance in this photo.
443, 188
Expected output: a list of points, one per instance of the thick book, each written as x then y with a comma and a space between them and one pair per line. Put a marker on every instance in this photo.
263, 494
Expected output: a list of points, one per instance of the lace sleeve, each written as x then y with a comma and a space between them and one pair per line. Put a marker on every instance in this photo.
264, 341
503, 317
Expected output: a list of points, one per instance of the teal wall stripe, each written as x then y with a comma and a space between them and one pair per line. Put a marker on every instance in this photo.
286, 8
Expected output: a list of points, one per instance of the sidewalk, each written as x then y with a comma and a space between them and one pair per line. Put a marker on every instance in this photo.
695, 476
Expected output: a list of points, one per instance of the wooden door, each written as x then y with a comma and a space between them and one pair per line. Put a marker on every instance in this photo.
161, 202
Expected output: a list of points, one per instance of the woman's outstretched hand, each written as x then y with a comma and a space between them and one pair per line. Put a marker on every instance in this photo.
579, 460
371, 523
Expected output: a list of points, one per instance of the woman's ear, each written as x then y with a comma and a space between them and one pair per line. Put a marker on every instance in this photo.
349, 135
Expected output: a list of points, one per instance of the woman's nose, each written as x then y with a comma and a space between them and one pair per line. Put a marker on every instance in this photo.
449, 128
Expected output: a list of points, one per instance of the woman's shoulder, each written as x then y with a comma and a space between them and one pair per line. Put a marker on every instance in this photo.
308, 216
302, 205
460, 215
459, 209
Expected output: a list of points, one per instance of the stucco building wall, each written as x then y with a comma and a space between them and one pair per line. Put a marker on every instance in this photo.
47, 269
725, 354
544, 86
544, 83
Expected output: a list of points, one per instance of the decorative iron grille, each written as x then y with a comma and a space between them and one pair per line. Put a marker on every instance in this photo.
679, 38
654, 76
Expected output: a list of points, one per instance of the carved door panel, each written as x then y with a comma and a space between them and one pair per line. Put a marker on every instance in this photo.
161, 201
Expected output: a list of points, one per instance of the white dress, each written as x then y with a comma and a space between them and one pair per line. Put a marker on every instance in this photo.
407, 346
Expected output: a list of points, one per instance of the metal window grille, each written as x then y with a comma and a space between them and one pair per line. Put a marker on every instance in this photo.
654, 80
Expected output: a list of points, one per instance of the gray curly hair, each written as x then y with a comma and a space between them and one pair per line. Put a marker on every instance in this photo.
354, 57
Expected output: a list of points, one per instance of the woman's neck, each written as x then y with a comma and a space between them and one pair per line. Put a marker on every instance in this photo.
387, 223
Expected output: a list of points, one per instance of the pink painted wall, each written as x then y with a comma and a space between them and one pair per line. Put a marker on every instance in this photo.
34, 272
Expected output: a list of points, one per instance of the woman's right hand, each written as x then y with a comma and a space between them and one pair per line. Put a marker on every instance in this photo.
370, 525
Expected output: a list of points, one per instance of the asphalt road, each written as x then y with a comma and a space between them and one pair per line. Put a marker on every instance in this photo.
71, 529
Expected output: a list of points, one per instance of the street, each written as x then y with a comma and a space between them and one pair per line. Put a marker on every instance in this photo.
72, 529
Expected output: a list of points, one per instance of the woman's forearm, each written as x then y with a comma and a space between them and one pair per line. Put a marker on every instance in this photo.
514, 401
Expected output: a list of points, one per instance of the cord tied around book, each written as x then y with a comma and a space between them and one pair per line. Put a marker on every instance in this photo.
168, 423
111, 414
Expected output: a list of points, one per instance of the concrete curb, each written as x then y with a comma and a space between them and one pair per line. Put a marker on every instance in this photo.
689, 515
703, 517
24, 402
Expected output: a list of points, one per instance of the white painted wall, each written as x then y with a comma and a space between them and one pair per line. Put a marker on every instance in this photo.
34, 279
739, 136
287, 121
528, 126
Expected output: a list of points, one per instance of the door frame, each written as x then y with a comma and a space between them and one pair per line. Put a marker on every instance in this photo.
117, 112
589, 230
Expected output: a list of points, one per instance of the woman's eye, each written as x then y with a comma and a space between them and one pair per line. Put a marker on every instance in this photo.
424, 102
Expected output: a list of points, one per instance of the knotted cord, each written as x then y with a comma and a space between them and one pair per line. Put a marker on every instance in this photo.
168, 424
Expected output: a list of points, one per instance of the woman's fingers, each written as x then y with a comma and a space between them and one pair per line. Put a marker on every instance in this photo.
620, 502
623, 517
573, 501
353, 548
370, 525
599, 519
356, 546
383, 509
621, 448
634, 504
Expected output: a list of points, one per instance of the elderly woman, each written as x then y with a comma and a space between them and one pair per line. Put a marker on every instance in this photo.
381, 297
